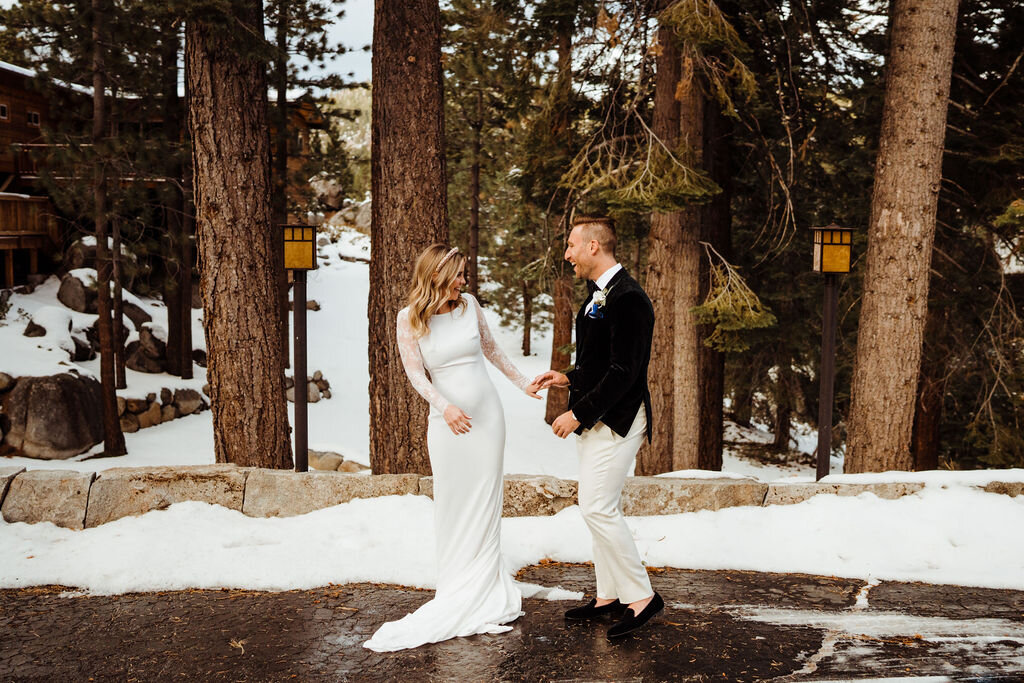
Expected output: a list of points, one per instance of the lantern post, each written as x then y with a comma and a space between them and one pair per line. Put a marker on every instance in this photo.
299, 257
832, 255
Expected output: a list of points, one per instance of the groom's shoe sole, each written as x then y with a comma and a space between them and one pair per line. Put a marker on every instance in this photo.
590, 611
631, 622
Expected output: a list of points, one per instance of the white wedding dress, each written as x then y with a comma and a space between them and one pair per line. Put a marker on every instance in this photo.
474, 594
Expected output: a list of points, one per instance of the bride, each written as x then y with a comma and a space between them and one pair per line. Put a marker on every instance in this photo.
443, 332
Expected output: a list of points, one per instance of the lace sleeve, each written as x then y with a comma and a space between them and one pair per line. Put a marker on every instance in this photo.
412, 361
494, 353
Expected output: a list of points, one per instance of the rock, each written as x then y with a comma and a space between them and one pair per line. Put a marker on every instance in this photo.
526, 495
136, 405
323, 384
289, 394
135, 313
1006, 488
34, 330
152, 345
788, 494
93, 334
289, 382
187, 401
150, 397
83, 349
281, 493
166, 397
7, 475
168, 413
199, 357
75, 295
7, 382
312, 393
140, 361
124, 491
130, 423
317, 376
668, 495
54, 417
329, 191
122, 405
323, 460
322, 242
351, 466
312, 305
150, 417
363, 218
326, 393
57, 496
206, 389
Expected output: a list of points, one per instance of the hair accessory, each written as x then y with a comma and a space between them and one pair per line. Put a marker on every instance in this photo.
447, 256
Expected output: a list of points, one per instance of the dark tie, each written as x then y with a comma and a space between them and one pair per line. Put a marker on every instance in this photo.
592, 287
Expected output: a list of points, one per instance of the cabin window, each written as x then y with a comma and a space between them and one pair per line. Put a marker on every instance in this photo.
4, 112
33, 118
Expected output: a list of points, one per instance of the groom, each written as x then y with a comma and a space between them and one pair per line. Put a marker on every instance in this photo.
610, 410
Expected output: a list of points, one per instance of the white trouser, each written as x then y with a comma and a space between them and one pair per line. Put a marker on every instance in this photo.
605, 460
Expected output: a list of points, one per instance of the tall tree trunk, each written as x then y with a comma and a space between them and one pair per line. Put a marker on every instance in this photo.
663, 248
472, 266
931, 389
118, 327
237, 242
527, 317
409, 212
279, 201
113, 438
902, 229
188, 231
557, 401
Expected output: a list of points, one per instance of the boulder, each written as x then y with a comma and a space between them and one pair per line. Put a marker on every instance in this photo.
282, 493
324, 460
364, 218
135, 313
7, 382
312, 392
1007, 488
152, 416
7, 475
83, 349
168, 413
166, 397
122, 405
74, 294
326, 393
789, 493
54, 417
199, 357
351, 466
323, 384
527, 496
138, 360
123, 491
57, 496
668, 496
289, 382
187, 401
151, 344
34, 330
206, 389
130, 423
136, 405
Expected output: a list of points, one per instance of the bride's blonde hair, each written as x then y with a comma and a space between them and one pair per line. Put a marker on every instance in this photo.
431, 284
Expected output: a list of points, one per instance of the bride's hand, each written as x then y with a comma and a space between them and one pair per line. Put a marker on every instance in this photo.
532, 389
457, 420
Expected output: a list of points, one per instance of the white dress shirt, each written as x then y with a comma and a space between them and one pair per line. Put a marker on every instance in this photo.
602, 281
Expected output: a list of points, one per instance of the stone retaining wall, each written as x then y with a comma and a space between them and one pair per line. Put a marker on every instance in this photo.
77, 500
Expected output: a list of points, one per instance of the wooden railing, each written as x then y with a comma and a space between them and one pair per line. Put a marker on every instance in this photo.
21, 215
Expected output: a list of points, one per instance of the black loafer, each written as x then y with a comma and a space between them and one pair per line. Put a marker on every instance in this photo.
592, 611
631, 622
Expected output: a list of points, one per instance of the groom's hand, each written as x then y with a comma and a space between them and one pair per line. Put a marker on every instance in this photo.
564, 425
551, 378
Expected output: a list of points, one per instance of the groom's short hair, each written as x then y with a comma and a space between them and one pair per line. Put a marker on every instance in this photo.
600, 228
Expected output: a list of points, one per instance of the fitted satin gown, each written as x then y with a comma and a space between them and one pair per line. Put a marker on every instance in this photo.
474, 594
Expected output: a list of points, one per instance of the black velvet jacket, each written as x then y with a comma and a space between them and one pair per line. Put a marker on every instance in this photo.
609, 379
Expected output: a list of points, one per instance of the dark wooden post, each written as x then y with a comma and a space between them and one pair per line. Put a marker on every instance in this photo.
827, 376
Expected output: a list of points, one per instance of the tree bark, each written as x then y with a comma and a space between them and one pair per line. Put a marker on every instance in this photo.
241, 314
279, 201
120, 381
664, 245
931, 389
113, 438
527, 317
472, 266
557, 401
901, 232
409, 213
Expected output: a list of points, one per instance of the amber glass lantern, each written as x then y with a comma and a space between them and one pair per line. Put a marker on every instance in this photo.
299, 247
833, 249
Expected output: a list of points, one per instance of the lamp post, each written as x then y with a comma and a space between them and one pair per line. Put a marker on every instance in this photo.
300, 256
832, 251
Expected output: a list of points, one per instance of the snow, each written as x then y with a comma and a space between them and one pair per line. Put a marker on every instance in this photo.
391, 540
948, 532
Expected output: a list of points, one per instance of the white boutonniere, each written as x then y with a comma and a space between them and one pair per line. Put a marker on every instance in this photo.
597, 303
